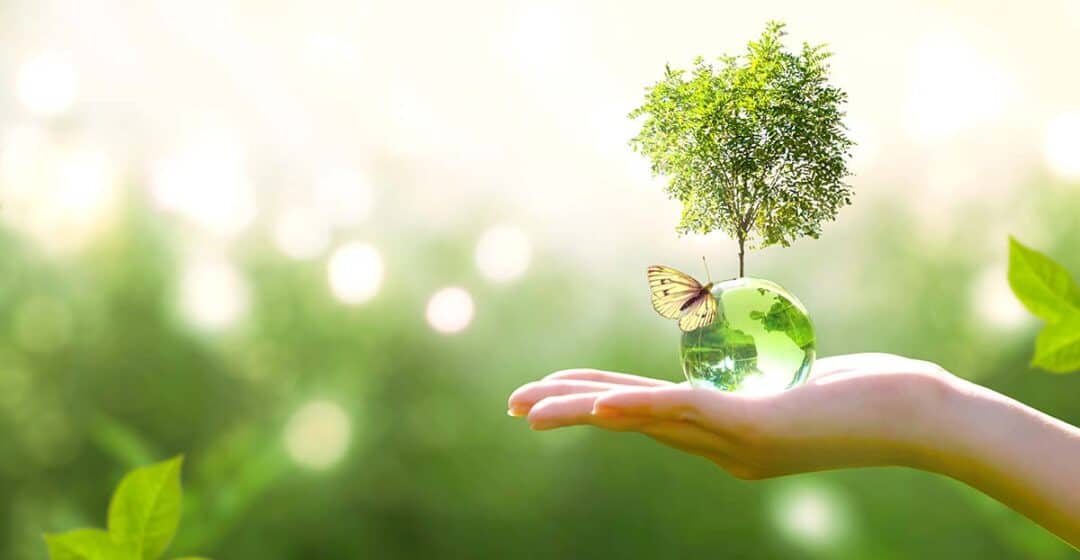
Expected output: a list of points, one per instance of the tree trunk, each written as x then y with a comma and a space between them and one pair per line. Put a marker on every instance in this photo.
742, 252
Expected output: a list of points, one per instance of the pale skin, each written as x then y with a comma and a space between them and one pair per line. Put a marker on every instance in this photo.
858, 410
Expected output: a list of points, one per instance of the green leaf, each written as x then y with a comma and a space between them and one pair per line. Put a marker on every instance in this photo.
145, 509
88, 544
1041, 284
1057, 349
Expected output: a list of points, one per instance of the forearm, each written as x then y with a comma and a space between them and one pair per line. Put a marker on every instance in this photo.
1025, 459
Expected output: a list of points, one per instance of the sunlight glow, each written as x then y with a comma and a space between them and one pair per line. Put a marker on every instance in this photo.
213, 293
537, 36
317, 435
953, 89
63, 195
503, 253
757, 385
450, 310
85, 184
332, 52
47, 84
345, 196
206, 180
301, 233
1061, 145
355, 272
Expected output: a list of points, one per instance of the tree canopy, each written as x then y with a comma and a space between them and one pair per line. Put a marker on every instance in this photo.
752, 145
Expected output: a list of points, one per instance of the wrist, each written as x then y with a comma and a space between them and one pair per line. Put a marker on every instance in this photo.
935, 437
963, 425
1009, 451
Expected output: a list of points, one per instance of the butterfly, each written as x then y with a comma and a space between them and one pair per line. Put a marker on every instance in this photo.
676, 295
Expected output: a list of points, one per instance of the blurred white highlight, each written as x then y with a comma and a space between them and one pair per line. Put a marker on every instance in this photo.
810, 514
756, 385
450, 310
344, 196
537, 37
953, 89
301, 233
994, 301
332, 52
213, 293
47, 84
503, 253
317, 435
63, 195
1061, 145
206, 180
355, 272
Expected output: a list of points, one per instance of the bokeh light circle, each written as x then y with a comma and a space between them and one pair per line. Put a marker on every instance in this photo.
503, 253
811, 515
63, 194
301, 233
355, 272
317, 435
450, 310
213, 293
205, 179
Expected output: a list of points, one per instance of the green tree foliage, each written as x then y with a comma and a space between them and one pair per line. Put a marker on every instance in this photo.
144, 514
1049, 292
754, 146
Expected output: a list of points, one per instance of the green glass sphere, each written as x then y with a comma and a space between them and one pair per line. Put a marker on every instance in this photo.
762, 340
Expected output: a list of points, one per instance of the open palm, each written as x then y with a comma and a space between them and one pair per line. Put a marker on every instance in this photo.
856, 410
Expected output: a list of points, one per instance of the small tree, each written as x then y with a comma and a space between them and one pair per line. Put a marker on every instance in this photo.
754, 146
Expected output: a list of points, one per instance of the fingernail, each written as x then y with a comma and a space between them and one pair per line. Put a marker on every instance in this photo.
516, 411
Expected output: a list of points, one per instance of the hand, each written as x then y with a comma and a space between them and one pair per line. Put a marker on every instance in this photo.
856, 410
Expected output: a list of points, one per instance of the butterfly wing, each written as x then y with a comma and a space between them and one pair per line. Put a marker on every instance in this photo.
701, 312
671, 291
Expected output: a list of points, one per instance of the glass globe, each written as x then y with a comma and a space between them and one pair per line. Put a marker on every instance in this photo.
762, 340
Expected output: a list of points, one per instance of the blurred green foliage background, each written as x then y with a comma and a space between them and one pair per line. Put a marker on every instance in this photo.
228, 230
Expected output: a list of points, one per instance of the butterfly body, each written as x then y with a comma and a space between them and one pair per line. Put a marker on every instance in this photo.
676, 295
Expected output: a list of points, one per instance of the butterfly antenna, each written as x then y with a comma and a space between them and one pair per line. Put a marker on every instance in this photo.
706, 263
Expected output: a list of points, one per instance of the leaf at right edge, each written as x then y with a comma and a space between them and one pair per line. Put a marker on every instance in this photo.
1057, 349
87, 544
145, 509
1045, 287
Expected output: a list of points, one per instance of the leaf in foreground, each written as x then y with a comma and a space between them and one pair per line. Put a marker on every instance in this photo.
145, 510
1045, 287
88, 544
1057, 349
